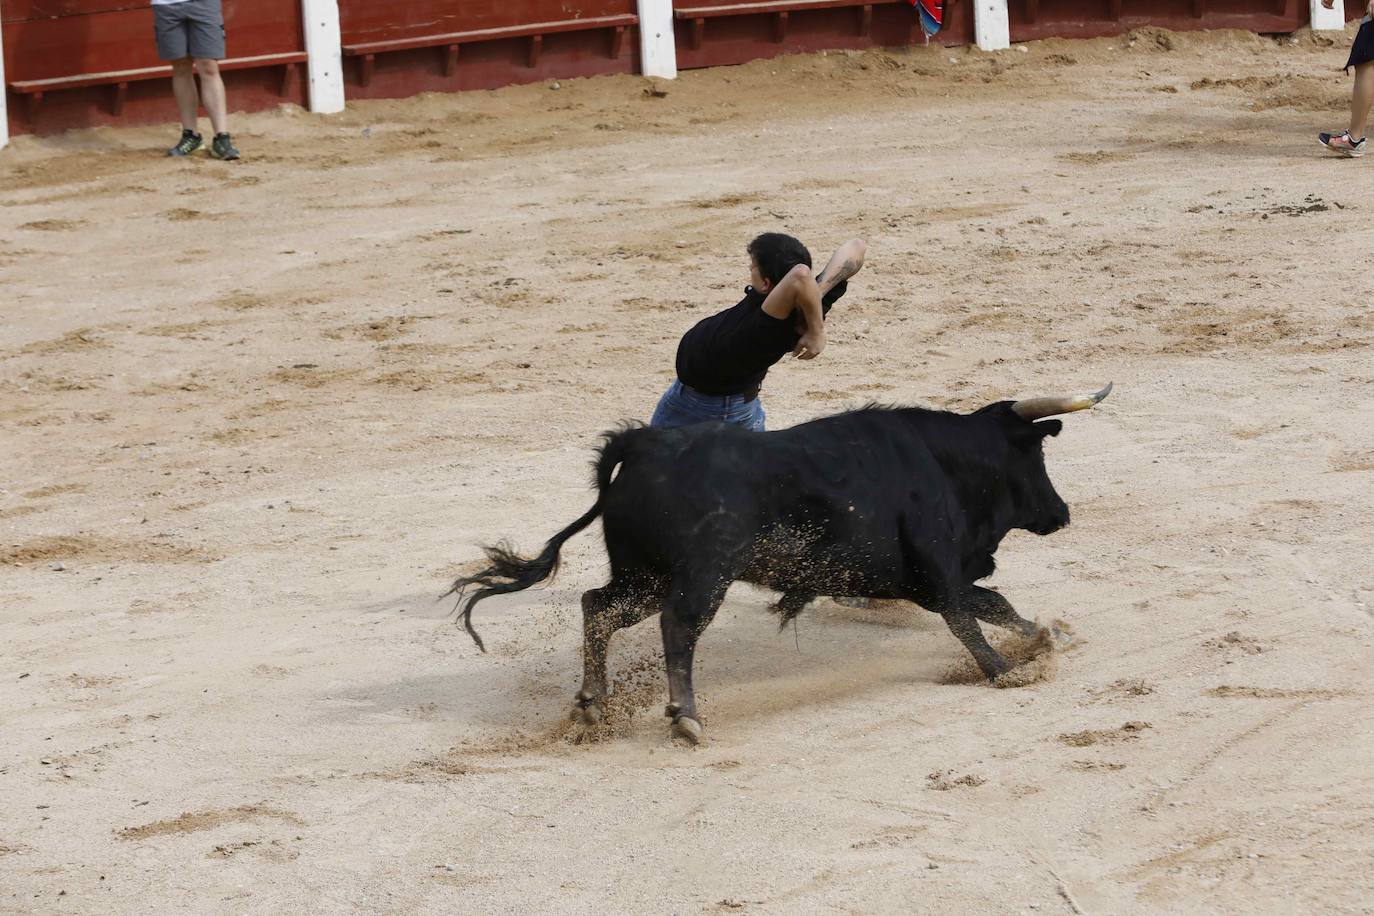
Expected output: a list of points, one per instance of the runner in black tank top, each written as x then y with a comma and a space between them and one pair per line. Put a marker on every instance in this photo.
723, 359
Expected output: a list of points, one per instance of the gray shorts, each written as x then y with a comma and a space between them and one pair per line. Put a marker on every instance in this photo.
191, 28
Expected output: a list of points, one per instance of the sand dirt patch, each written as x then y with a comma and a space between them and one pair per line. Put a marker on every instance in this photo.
1130, 731
94, 549
53, 225
195, 822
1232, 691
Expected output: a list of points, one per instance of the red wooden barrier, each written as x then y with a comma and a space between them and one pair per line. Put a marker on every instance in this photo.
715, 32
71, 63
392, 50
1032, 19
79, 63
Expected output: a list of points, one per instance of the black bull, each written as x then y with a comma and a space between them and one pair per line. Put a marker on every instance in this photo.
880, 502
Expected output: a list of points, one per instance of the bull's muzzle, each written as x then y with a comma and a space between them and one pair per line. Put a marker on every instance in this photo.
1052, 521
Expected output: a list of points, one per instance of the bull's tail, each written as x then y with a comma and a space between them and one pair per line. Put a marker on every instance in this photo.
507, 571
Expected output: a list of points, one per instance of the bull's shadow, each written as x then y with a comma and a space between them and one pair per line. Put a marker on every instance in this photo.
831, 654
753, 670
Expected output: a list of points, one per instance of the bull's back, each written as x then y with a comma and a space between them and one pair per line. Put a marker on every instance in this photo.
813, 500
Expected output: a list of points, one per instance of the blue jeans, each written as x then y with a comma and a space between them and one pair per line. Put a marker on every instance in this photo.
683, 406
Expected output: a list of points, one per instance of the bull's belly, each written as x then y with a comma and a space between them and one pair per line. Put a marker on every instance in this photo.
828, 573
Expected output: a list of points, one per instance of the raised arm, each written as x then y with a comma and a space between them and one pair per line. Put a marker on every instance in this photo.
798, 291
843, 264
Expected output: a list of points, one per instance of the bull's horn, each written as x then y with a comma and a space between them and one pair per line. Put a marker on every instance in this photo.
1039, 408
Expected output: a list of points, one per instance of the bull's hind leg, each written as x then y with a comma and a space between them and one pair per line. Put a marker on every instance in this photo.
604, 610
596, 637
686, 614
989, 606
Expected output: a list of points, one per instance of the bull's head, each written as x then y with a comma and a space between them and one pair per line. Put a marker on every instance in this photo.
1038, 507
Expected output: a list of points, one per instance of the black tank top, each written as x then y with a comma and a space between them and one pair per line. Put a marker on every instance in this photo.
731, 352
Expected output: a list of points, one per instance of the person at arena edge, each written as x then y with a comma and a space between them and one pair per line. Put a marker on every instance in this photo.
1351, 141
190, 34
722, 360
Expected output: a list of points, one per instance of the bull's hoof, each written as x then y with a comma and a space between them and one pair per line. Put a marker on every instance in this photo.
586, 715
587, 710
688, 729
998, 678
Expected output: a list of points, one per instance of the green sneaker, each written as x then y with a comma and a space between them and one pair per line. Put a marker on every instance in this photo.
190, 142
223, 148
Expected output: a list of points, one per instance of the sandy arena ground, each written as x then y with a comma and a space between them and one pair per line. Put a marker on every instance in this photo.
257, 415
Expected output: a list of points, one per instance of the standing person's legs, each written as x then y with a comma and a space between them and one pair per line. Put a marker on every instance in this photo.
184, 88
205, 24
173, 46
1351, 142
1362, 98
212, 94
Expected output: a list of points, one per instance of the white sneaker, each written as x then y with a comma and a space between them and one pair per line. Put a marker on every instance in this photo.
1343, 143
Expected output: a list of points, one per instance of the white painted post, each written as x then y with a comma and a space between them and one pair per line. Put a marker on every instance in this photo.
325, 48
657, 47
991, 27
4, 113
1324, 19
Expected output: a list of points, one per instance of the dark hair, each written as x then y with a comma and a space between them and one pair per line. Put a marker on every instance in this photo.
776, 254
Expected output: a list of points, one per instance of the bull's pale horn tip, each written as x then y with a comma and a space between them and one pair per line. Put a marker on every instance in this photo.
1038, 408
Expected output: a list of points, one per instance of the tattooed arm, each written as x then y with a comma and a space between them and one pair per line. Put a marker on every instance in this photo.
797, 295
843, 264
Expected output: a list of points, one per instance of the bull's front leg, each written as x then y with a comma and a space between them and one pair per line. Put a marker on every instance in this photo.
990, 606
964, 625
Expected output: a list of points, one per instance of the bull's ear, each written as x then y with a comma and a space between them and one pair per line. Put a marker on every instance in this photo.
1049, 427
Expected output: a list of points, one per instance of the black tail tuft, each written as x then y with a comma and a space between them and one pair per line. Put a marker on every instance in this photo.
507, 571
